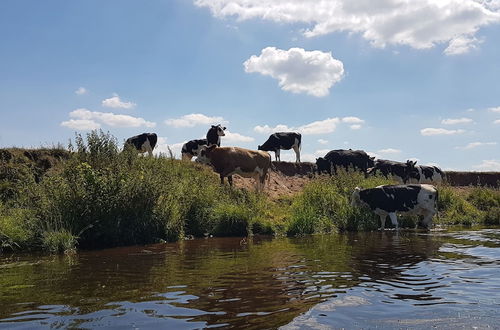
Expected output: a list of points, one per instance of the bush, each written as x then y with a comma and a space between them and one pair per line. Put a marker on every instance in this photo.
453, 209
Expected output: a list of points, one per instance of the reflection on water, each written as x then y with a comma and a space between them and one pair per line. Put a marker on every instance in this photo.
364, 280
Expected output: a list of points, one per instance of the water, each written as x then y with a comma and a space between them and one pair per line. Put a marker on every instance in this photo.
366, 280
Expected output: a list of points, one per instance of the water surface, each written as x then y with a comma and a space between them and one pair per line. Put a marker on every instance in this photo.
364, 280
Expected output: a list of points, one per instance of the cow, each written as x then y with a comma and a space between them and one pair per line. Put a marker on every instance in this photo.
192, 148
428, 174
403, 172
420, 199
283, 141
143, 142
357, 159
227, 161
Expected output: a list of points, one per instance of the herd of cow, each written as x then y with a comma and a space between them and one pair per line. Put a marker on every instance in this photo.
415, 194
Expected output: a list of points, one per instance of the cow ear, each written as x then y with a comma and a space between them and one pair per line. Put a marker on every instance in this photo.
372, 158
213, 126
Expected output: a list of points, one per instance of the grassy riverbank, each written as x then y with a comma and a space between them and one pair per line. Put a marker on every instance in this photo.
93, 196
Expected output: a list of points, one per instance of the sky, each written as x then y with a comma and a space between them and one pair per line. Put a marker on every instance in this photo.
399, 79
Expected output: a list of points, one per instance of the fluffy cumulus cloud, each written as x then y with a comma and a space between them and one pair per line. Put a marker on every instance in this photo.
390, 151
418, 23
488, 165
497, 121
117, 103
322, 141
81, 91
440, 131
326, 126
298, 70
193, 120
163, 147
455, 121
473, 145
84, 119
495, 109
236, 137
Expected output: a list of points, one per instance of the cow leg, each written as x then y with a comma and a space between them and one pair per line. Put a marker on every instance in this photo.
394, 220
230, 180
277, 155
297, 153
427, 221
382, 221
222, 179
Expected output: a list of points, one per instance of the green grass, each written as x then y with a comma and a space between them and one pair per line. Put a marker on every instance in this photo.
94, 196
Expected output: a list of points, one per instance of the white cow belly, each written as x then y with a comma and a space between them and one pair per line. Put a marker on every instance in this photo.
244, 174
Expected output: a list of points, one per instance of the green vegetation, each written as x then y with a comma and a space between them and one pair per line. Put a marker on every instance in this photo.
94, 196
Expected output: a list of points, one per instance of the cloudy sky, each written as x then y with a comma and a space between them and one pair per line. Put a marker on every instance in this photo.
399, 79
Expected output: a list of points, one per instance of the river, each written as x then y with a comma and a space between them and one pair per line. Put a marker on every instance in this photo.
444, 279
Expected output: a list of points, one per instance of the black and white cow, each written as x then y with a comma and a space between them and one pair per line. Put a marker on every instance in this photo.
357, 159
428, 174
192, 148
283, 141
143, 142
419, 199
401, 171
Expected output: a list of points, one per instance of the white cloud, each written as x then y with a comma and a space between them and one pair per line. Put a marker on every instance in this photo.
194, 119
462, 44
495, 109
352, 120
81, 124
473, 145
440, 131
455, 121
419, 24
321, 141
325, 126
389, 151
162, 147
81, 91
298, 70
321, 152
87, 120
115, 102
488, 165
496, 121
236, 137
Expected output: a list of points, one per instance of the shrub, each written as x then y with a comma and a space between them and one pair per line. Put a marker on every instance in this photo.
453, 209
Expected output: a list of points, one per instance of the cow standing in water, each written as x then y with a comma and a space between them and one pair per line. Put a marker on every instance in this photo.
192, 148
357, 159
227, 161
283, 141
420, 199
403, 172
144, 142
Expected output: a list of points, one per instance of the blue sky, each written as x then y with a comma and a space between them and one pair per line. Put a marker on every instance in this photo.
397, 79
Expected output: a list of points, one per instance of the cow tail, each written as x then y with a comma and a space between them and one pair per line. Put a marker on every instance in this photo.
300, 142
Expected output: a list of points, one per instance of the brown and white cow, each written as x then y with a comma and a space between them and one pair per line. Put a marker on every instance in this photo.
228, 161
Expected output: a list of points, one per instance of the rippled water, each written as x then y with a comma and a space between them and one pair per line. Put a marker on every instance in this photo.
365, 280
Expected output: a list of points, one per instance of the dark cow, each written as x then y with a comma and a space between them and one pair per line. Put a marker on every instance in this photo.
233, 160
428, 174
357, 159
401, 171
143, 142
192, 148
283, 141
420, 199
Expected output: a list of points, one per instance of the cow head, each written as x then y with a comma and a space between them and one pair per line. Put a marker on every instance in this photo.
411, 171
219, 129
355, 199
204, 154
371, 162
323, 165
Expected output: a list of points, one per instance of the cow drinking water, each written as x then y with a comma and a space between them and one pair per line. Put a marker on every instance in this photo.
144, 142
227, 161
283, 141
420, 199
192, 148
